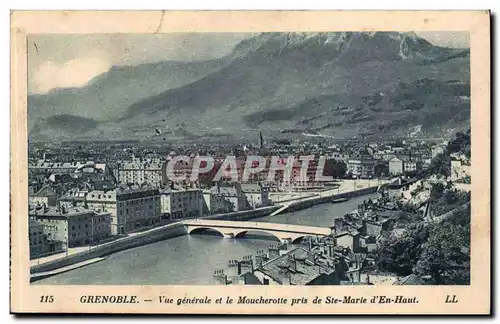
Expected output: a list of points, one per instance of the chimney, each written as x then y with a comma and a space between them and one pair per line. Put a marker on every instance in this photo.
220, 277
293, 263
273, 252
329, 248
233, 268
246, 265
260, 258
322, 248
289, 278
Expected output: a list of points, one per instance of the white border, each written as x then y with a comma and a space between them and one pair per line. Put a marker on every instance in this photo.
145, 4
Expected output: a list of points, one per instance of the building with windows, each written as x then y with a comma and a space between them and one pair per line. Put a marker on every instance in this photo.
395, 166
225, 198
339, 156
177, 204
214, 203
39, 244
139, 172
256, 195
73, 226
361, 168
410, 166
130, 208
44, 166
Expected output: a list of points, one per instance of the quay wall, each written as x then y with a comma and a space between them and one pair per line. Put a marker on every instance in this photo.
357, 193
178, 229
151, 236
300, 205
244, 214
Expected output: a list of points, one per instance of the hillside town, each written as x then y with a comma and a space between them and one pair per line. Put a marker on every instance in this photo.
401, 238
85, 194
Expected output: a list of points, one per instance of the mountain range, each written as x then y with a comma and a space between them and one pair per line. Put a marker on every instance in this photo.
340, 84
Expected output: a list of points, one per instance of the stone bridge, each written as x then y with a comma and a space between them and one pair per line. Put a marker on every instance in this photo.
234, 229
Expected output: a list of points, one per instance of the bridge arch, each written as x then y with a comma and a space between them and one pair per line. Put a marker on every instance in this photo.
238, 234
283, 232
297, 239
201, 230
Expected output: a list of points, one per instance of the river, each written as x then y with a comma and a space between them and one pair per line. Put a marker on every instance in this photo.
191, 259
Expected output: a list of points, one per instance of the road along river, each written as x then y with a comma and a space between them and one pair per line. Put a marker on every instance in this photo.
191, 259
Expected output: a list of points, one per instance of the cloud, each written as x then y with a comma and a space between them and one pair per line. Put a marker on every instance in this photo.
59, 60
74, 73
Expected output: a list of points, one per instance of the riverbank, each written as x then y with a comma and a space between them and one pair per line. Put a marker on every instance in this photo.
138, 239
192, 259
177, 229
324, 198
43, 275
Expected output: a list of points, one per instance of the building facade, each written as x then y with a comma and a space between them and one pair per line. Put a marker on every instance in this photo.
176, 204
395, 166
225, 198
74, 226
39, 243
361, 168
130, 208
139, 172
410, 166
256, 195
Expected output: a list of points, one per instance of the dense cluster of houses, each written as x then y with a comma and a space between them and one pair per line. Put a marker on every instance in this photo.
127, 193
346, 256
316, 262
342, 258
64, 196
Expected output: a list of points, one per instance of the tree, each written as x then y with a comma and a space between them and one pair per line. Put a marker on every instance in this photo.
440, 165
446, 255
450, 197
334, 168
461, 216
381, 170
460, 144
437, 191
400, 254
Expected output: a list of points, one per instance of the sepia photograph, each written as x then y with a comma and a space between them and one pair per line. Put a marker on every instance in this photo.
251, 158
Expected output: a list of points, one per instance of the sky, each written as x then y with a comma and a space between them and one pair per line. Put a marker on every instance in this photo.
57, 61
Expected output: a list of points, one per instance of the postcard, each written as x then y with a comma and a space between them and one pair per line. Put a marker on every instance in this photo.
250, 162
